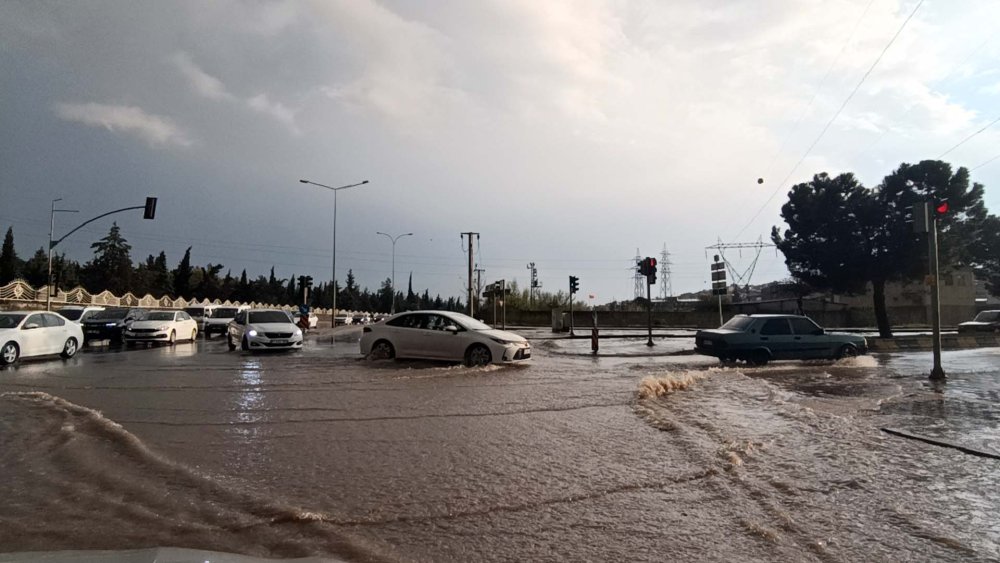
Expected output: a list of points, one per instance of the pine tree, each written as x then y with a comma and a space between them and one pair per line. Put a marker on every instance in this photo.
182, 275
112, 262
9, 263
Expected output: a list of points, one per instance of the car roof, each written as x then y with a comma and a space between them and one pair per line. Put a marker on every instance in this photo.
773, 316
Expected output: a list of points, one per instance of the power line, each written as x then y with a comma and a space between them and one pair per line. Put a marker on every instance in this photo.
832, 119
969, 137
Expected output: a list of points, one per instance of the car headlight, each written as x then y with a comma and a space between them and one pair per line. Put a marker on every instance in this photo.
298, 332
251, 332
111, 324
502, 341
162, 327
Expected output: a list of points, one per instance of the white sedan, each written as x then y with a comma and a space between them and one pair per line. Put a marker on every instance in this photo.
263, 329
162, 326
442, 335
26, 334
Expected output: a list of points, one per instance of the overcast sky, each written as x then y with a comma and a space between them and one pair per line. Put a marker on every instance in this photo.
567, 133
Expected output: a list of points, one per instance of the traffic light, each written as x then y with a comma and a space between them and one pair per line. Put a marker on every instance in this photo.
574, 284
940, 208
150, 211
647, 267
309, 281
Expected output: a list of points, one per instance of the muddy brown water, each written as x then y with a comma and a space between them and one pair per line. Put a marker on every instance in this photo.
570, 458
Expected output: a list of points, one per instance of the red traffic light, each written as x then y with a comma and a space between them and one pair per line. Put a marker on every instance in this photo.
652, 262
942, 208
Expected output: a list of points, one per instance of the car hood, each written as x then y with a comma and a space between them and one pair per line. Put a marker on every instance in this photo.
102, 322
503, 335
219, 320
273, 327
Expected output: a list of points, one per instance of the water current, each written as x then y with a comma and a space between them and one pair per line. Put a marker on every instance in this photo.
620, 456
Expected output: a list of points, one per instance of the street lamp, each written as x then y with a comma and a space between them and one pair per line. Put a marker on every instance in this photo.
333, 320
52, 227
392, 308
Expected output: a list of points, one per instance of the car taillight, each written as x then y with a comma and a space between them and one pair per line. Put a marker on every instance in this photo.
367, 329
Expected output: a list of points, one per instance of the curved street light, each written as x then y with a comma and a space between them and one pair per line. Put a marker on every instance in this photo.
333, 316
392, 308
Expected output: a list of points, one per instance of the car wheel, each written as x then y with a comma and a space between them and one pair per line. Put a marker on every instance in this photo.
194, 335
9, 353
230, 343
173, 338
69, 348
847, 351
244, 344
758, 358
382, 350
478, 355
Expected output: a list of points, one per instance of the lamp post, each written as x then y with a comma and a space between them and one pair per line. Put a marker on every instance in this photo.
392, 308
52, 228
333, 319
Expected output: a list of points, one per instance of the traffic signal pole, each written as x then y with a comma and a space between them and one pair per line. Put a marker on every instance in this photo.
649, 314
937, 372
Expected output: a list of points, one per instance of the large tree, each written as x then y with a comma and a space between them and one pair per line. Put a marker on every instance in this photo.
9, 263
111, 268
182, 275
842, 236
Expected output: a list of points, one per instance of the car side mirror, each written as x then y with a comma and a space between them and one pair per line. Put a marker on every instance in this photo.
452, 329
30, 326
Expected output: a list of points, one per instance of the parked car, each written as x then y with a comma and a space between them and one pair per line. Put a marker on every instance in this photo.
360, 319
343, 319
263, 329
758, 339
200, 312
110, 324
442, 335
162, 326
219, 319
985, 321
78, 313
25, 334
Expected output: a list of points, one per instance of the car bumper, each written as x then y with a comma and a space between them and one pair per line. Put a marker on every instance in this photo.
264, 343
162, 336
101, 333
215, 328
514, 353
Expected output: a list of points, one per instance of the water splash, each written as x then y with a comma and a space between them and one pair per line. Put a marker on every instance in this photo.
658, 386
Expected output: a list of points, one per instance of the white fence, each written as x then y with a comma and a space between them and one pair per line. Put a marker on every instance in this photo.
19, 291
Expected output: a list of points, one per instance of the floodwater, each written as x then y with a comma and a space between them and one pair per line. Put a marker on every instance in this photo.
619, 456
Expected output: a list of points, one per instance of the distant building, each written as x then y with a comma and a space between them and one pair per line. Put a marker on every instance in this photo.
910, 302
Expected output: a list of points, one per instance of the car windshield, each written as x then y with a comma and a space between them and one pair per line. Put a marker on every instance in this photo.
110, 314
268, 317
988, 317
10, 320
161, 316
71, 314
224, 313
195, 311
738, 323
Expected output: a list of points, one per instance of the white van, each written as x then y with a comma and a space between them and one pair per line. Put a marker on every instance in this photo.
199, 313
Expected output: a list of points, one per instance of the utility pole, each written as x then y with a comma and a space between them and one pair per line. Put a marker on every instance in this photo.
925, 220
479, 282
531, 283
471, 263
52, 227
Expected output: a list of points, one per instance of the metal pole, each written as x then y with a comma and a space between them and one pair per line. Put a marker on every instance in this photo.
503, 306
52, 226
333, 317
720, 310
471, 309
649, 313
937, 372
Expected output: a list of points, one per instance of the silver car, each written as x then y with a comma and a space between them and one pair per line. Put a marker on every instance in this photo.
758, 339
442, 335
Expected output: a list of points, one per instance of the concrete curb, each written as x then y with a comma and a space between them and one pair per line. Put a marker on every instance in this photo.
923, 343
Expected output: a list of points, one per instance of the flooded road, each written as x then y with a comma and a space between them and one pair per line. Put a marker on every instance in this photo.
623, 456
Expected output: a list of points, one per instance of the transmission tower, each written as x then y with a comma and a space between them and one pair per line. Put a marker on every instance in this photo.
638, 278
740, 277
666, 286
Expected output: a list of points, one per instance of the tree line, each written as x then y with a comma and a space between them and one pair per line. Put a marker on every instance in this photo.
844, 236
112, 269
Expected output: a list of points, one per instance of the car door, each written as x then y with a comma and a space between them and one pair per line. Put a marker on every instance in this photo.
236, 327
34, 338
810, 340
408, 336
55, 332
440, 343
776, 335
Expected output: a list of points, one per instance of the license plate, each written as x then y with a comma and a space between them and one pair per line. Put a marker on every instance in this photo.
279, 342
93, 332
706, 343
